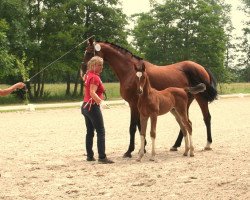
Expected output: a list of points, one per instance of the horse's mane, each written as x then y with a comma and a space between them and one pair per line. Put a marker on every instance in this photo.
123, 50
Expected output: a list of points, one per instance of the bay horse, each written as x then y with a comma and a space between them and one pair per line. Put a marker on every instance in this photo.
153, 103
181, 74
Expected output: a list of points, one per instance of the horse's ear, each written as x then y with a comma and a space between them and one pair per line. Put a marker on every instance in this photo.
91, 41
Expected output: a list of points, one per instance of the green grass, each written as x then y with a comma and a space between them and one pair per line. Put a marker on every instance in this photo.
56, 92
233, 88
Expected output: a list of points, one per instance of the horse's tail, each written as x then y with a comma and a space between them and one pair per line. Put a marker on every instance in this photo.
195, 77
196, 89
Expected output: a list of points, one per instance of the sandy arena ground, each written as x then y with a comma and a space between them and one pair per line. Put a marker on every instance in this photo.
42, 156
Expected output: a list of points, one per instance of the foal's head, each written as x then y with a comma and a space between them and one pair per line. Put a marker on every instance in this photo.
141, 77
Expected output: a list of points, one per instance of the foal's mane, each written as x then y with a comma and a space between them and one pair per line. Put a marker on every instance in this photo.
121, 49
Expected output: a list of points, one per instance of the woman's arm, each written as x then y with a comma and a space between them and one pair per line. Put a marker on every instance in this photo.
93, 94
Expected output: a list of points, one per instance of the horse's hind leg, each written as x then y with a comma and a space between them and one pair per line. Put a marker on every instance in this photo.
207, 119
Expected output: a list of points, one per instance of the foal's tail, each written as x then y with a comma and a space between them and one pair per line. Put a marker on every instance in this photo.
196, 89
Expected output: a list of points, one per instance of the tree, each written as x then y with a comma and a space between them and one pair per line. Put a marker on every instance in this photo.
6, 59
44, 30
184, 30
244, 47
69, 22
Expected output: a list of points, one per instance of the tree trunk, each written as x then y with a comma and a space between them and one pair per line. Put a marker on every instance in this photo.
41, 92
68, 85
76, 83
37, 85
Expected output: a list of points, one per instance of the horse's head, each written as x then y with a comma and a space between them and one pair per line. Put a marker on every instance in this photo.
93, 49
140, 77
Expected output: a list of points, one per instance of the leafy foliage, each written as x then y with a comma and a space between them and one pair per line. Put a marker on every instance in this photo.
184, 30
244, 47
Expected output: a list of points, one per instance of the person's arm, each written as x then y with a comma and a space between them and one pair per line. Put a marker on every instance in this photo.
93, 94
7, 91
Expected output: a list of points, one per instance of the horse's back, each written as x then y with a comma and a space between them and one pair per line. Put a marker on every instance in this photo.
174, 75
162, 77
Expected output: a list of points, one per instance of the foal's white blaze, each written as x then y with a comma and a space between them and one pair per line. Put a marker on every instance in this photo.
139, 75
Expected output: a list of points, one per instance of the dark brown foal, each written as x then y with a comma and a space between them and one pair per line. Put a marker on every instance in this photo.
152, 103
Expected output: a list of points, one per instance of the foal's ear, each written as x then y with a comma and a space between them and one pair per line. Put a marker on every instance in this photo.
143, 67
136, 67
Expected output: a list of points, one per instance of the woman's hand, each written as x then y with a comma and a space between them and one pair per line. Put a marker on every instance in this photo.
104, 105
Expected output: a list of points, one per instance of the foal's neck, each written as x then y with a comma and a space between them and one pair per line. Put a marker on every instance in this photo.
147, 88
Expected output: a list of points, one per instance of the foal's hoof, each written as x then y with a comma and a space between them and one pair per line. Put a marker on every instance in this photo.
152, 159
207, 148
127, 155
173, 149
191, 155
185, 154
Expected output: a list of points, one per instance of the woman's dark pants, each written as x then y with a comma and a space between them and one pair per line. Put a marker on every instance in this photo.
94, 121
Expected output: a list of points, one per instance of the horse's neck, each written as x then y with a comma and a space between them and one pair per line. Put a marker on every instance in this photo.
120, 63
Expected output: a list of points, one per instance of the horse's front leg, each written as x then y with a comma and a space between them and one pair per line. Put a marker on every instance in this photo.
144, 121
153, 136
134, 120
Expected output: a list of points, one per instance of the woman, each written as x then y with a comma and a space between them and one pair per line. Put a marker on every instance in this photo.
9, 90
93, 99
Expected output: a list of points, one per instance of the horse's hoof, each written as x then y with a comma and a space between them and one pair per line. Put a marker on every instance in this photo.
151, 159
191, 155
185, 154
127, 155
173, 149
138, 159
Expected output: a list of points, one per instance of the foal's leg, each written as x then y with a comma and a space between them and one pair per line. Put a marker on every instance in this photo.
180, 136
181, 109
183, 129
188, 126
153, 135
144, 121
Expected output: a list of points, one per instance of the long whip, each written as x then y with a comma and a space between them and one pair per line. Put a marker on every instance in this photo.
58, 58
